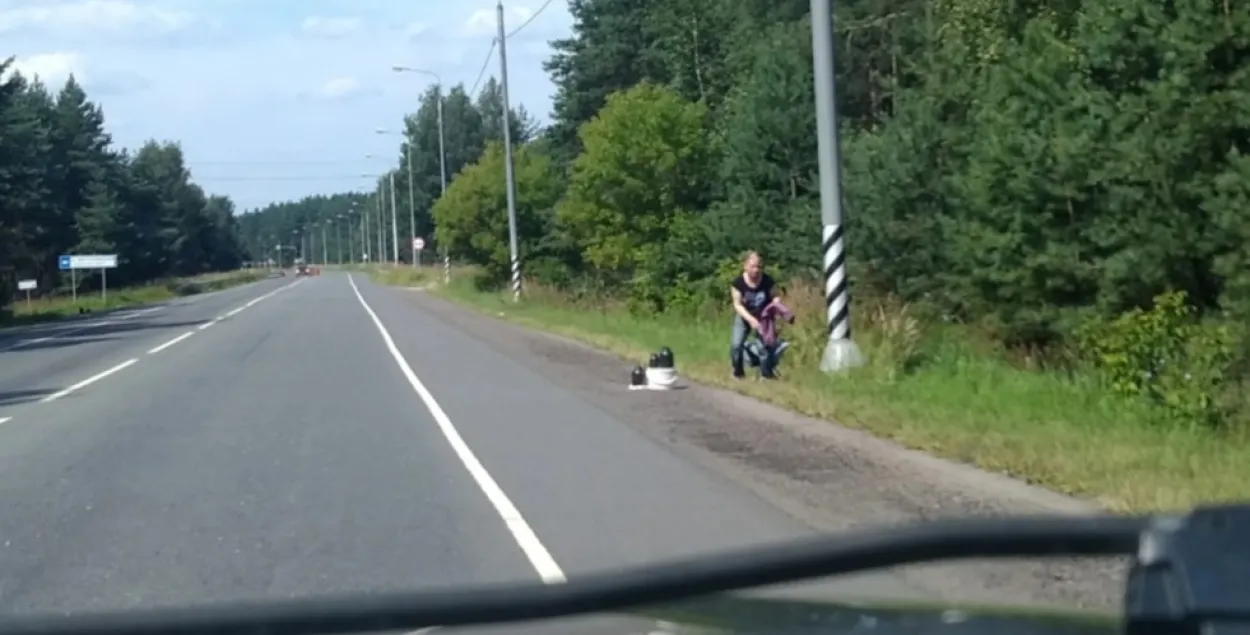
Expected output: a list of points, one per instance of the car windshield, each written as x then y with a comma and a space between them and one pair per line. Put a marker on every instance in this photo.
323, 299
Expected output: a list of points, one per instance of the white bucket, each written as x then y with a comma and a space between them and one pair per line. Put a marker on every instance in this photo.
661, 378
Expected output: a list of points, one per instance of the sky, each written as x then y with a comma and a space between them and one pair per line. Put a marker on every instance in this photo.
274, 100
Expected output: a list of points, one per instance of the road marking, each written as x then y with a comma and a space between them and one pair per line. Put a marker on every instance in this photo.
62, 333
253, 302
525, 537
5, 419
166, 345
128, 316
88, 381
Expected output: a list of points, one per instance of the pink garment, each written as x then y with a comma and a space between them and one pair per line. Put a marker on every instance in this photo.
768, 321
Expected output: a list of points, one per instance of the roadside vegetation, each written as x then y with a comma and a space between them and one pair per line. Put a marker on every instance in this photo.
1047, 218
65, 189
49, 308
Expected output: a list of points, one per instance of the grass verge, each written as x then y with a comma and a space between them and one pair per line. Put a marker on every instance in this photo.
928, 388
60, 307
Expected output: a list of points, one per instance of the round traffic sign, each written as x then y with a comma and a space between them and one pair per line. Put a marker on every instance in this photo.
418, 243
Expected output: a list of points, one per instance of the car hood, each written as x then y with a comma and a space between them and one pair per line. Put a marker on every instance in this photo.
741, 614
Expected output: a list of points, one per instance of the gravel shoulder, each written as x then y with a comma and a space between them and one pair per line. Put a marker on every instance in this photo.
829, 477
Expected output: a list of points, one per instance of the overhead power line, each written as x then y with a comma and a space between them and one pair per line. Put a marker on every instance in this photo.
321, 177
494, 42
531, 19
485, 64
194, 163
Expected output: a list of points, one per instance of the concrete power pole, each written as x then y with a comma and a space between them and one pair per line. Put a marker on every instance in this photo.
840, 352
508, 170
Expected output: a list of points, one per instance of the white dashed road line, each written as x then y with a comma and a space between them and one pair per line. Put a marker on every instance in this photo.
166, 345
130, 362
526, 539
61, 334
240, 309
88, 381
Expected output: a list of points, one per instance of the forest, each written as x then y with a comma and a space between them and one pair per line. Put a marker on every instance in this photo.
1068, 179
65, 189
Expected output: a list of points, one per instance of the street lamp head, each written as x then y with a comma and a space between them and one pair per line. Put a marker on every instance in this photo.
399, 69
382, 131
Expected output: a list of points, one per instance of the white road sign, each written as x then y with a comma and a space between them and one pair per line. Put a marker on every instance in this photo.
27, 285
418, 243
93, 261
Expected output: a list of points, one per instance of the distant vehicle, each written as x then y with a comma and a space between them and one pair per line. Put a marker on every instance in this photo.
301, 269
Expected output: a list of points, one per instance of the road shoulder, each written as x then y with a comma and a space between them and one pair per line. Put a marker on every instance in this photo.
814, 470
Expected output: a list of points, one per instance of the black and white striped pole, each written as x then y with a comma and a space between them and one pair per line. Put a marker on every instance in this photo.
507, 149
841, 352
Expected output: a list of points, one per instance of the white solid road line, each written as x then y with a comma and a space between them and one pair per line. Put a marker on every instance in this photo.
88, 381
166, 345
208, 324
525, 537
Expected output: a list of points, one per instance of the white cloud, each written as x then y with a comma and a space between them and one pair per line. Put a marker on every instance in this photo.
93, 16
263, 109
51, 68
339, 88
330, 27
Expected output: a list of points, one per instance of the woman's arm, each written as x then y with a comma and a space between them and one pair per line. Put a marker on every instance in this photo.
741, 309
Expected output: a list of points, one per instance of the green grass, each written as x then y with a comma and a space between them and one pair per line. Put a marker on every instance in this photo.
960, 403
59, 307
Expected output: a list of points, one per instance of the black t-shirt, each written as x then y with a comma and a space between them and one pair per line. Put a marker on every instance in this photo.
755, 299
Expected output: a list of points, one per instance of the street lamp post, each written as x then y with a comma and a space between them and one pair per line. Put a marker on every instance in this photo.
338, 237
442, 148
325, 247
438, 93
412, 204
394, 222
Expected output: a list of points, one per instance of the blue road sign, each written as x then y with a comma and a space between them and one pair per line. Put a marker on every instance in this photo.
63, 262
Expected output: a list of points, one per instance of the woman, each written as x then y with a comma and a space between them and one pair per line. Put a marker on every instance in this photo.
752, 292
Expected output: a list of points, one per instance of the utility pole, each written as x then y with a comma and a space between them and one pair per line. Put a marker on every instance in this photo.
338, 238
508, 171
412, 206
442, 146
841, 352
442, 173
394, 223
380, 201
325, 247
364, 233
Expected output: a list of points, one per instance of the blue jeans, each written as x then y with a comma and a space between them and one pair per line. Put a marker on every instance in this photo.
739, 351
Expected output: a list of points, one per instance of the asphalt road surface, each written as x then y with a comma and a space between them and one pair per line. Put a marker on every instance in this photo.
298, 437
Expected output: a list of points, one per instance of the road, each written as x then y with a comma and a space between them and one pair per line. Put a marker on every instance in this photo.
297, 437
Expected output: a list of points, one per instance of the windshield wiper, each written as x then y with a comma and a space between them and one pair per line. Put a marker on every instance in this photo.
1186, 572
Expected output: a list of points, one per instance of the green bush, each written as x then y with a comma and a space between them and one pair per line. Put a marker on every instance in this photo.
1164, 354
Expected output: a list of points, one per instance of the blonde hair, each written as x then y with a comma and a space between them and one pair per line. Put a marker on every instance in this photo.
752, 254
